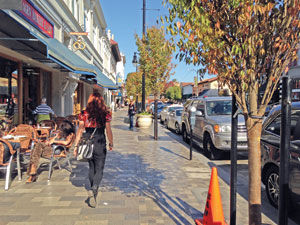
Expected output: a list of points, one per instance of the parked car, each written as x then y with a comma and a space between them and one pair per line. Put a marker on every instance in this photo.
188, 116
174, 120
212, 126
270, 147
160, 107
164, 115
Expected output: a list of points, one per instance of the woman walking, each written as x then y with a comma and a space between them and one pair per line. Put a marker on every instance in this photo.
96, 116
131, 113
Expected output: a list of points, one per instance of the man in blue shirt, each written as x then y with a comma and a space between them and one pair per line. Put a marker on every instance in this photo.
43, 111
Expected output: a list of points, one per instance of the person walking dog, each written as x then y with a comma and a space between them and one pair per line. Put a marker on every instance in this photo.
95, 116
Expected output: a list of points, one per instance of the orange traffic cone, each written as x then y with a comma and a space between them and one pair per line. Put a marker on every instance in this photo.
213, 214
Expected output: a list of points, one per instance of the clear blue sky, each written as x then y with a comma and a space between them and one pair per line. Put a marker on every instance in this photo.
125, 18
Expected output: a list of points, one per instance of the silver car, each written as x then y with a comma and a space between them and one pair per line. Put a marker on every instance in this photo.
212, 128
164, 115
174, 120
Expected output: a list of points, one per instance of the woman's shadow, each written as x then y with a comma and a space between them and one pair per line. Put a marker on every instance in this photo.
132, 176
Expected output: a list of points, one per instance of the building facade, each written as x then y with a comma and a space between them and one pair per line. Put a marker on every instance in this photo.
42, 55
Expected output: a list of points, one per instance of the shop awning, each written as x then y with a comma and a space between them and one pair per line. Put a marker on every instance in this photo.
59, 53
104, 81
50, 51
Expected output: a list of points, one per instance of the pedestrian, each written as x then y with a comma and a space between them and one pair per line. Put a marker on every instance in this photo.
112, 106
118, 103
29, 111
95, 116
43, 111
64, 136
131, 113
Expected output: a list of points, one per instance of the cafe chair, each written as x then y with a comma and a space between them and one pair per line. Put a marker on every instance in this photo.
48, 123
8, 165
45, 128
59, 152
29, 136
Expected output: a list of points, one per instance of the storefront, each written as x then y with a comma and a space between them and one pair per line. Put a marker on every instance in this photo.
34, 64
31, 61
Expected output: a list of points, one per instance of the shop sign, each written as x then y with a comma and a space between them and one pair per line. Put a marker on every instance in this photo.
33, 15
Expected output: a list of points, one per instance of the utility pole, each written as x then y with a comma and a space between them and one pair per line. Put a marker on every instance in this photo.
144, 36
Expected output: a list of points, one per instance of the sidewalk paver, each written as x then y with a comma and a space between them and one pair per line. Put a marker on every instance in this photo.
145, 182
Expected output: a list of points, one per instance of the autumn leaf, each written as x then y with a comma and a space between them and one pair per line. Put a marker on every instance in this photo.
178, 25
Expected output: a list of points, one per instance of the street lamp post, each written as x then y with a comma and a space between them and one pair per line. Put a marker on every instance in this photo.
135, 63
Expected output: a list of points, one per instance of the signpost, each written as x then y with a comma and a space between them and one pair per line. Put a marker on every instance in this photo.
233, 158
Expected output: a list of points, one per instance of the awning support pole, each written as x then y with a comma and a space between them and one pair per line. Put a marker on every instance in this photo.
20, 92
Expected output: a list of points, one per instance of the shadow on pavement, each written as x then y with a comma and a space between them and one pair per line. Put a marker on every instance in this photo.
132, 176
120, 127
242, 190
169, 151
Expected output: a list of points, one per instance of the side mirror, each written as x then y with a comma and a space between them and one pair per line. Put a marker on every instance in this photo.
295, 144
271, 129
199, 113
193, 109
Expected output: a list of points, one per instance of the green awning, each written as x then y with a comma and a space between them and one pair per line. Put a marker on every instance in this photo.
63, 56
104, 81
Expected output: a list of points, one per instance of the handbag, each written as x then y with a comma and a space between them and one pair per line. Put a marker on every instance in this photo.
86, 148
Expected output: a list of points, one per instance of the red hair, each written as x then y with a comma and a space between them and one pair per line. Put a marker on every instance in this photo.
96, 109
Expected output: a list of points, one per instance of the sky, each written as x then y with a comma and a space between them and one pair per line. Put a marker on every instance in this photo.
125, 18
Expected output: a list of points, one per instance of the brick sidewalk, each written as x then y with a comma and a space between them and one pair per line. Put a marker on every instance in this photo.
145, 182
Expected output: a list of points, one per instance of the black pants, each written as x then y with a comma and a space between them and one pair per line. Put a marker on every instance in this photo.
96, 164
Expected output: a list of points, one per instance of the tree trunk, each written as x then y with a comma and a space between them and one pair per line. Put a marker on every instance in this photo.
254, 127
155, 118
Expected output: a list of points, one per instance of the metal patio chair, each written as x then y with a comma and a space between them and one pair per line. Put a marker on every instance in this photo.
15, 155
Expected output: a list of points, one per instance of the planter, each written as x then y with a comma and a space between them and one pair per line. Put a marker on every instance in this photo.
144, 121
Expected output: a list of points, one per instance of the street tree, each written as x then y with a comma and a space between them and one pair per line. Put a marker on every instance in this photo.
247, 44
155, 58
173, 93
134, 84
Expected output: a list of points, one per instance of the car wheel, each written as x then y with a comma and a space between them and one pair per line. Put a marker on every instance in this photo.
177, 128
272, 185
184, 135
211, 150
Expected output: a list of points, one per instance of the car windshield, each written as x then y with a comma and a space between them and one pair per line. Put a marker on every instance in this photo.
178, 112
174, 108
215, 108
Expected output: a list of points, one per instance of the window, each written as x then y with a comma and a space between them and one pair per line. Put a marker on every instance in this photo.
275, 125
95, 37
178, 112
84, 21
73, 7
215, 108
